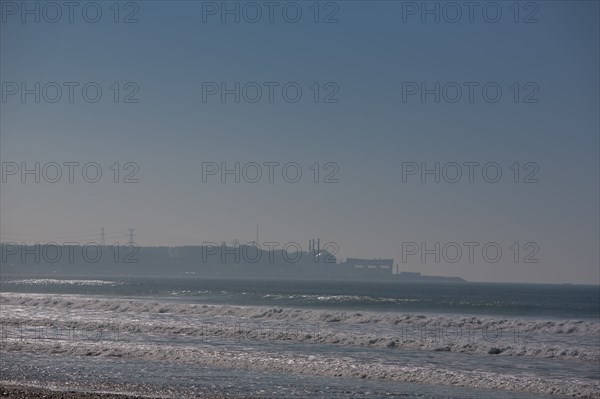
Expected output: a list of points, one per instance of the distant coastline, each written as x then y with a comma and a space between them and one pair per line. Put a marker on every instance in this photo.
220, 261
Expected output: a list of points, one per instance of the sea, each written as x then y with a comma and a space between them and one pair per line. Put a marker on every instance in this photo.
185, 337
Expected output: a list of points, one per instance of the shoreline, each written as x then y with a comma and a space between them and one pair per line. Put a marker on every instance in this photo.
11, 391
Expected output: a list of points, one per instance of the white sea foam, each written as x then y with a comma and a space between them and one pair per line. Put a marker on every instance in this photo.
307, 341
323, 365
466, 334
49, 281
576, 327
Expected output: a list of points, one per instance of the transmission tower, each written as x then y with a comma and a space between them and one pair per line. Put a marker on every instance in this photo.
131, 235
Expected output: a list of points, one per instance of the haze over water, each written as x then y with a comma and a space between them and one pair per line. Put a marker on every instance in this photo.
300, 199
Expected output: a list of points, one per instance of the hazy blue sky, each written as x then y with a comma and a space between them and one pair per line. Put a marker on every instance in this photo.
368, 54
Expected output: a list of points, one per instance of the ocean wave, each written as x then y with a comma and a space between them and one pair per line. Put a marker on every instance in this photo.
322, 365
48, 281
466, 334
575, 327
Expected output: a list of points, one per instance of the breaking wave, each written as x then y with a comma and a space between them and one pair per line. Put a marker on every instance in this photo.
553, 339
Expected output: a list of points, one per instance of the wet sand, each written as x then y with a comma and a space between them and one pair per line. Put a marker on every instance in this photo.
22, 392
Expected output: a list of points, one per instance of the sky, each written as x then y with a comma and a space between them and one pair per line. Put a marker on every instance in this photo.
369, 119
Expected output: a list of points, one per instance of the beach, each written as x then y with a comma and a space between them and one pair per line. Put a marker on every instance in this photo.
18, 392
21, 392
241, 340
